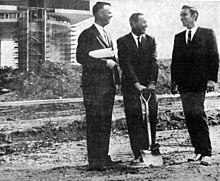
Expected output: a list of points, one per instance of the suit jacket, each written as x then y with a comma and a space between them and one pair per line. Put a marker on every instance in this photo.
194, 64
96, 76
137, 66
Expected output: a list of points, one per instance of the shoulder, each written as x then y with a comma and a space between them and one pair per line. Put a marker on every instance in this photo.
87, 31
123, 38
148, 37
179, 37
180, 34
205, 30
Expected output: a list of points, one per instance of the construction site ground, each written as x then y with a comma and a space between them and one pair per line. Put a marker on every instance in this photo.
45, 140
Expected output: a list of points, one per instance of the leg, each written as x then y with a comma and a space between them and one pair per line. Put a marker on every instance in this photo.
136, 129
193, 107
98, 119
93, 121
153, 111
108, 102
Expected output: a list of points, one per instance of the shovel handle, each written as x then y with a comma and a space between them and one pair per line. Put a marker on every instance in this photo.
146, 118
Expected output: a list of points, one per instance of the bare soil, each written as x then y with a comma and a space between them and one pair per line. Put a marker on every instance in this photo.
67, 161
47, 142
50, 145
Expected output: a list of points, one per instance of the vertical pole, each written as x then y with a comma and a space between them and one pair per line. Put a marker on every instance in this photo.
27, 36
0, 54
45, 34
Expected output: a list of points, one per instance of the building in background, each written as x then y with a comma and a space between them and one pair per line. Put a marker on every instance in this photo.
34, 31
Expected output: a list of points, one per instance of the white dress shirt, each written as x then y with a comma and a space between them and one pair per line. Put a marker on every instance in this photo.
102, 31
135, 38
193, 31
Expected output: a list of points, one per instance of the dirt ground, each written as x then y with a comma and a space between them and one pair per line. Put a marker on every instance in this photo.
48, 143
67, 161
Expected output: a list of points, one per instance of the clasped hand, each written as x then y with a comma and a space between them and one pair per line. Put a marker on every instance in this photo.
110, 63
174, 88
210, 86
141, 88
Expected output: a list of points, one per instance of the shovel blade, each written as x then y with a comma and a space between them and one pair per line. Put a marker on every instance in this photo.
150, 159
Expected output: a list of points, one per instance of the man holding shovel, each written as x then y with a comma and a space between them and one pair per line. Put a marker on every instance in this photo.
137, 59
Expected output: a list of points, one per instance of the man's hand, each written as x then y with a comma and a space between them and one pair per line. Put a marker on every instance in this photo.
110, 63
210, 86
139, 86
151, 86
174, 88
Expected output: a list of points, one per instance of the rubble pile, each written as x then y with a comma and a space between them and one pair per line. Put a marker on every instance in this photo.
164, 77
63, 80
53, 81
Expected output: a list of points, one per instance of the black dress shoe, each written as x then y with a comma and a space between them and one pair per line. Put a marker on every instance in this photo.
197, 157
206, 161
155, 146
155, 149
109, 162
112, 163
96, 167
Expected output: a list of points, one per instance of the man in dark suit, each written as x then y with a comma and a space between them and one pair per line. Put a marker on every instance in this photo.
194, 70
137, 59
99, 79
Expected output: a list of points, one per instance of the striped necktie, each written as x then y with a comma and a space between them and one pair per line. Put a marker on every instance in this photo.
105, 37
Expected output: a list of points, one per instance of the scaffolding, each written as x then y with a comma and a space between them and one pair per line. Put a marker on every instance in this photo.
30, 38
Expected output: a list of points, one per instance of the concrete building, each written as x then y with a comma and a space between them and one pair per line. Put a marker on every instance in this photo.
33, 31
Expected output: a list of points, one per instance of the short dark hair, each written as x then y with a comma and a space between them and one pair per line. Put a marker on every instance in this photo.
99, 5
135, 17
192, 10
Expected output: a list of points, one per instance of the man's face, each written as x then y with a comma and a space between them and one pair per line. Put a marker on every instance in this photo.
105, 14
187, 19
139, 27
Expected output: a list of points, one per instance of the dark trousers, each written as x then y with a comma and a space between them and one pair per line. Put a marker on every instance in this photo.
137, 130
193, 107
98, 121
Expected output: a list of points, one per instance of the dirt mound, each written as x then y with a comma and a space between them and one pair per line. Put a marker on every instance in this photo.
54, 80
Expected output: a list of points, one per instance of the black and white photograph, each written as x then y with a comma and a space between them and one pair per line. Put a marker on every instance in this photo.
109, 90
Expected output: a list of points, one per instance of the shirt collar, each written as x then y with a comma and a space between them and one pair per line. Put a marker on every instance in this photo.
193, 30
99, 28
135, 38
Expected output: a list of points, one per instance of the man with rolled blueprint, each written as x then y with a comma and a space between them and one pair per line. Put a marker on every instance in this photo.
99, 79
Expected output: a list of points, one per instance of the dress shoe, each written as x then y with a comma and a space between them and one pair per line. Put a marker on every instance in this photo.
96, 167
155, 146
112, 163
206, 161
197, 157
109, 162
136, 161
155, 149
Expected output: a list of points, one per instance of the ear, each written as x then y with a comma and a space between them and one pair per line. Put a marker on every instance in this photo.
100, 13
194, 16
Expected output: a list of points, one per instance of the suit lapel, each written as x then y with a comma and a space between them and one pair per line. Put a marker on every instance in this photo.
132, 43
196, 37
99, 37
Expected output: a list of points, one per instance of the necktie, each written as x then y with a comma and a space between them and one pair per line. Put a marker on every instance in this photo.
139, 42
140, 58
105, 37
189, 37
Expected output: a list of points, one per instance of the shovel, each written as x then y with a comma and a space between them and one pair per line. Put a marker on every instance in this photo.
149, 158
